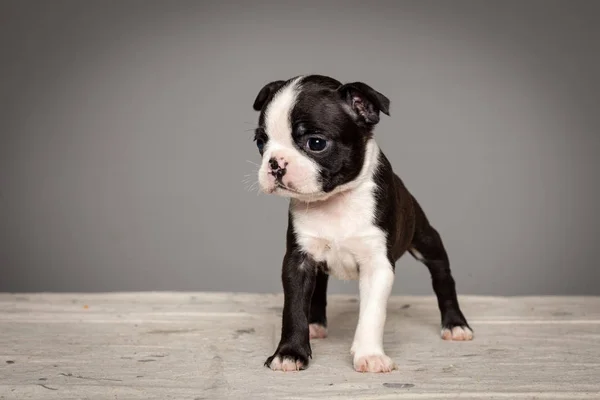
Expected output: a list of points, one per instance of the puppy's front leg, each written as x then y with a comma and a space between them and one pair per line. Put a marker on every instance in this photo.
298, 277
375, 284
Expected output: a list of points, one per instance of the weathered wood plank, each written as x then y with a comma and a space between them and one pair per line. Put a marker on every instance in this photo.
209, 346
185, 305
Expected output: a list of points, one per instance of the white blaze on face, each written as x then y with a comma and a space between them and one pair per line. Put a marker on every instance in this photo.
301, 173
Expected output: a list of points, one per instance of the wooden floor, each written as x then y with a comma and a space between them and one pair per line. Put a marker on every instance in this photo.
212, 346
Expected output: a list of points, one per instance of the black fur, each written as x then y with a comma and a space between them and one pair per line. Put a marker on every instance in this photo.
318, 306
343, 160
410, 228
320, 112
345, 115
299, 273
266, 94
365, 101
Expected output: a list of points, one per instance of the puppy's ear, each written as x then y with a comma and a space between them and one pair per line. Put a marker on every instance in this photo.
365, 101
266, 93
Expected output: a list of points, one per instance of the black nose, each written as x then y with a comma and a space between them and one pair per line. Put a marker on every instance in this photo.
276, 170
280, 173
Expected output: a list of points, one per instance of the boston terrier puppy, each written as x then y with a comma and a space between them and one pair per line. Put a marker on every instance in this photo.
349, 216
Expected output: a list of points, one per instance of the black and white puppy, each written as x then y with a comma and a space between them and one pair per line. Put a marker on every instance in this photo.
350, 215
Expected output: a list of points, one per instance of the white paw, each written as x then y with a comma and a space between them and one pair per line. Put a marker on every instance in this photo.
317, 331
457, 333
287, 364
374, 363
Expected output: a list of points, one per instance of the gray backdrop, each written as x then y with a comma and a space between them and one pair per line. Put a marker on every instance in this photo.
126, 138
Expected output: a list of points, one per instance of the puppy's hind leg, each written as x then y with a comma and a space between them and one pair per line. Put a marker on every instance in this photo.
318, 315
427, 247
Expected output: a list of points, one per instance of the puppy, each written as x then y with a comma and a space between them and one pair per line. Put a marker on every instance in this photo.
350, 216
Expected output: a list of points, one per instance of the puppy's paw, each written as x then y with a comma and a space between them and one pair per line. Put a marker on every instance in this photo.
279, 363
288, 359
458, 333
455, 326
317, 331
373, 363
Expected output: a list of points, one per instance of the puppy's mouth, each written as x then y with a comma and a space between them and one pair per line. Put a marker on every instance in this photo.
290, 190
280, 185
295, 194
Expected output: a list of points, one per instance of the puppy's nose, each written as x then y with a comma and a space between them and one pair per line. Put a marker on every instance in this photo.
274, 164
277, 170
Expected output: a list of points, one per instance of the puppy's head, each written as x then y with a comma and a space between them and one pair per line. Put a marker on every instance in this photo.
313, 133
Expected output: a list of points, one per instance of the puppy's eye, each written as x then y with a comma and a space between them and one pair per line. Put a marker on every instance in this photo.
261, 145
316, 144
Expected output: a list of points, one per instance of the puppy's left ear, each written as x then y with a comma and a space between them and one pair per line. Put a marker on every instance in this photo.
265, 94
365, 102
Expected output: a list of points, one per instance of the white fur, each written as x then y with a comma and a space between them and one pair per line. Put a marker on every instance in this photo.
301, 172
416, 254
341, 230
375, 287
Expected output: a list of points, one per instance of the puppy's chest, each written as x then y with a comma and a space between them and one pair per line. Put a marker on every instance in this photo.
340, 232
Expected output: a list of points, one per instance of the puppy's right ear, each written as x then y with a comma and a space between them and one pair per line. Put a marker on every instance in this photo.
365, 102
266, 93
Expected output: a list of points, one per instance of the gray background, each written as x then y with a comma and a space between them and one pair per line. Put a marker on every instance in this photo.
126, 138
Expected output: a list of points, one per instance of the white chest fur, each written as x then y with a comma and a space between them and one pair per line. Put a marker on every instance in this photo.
341, 230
